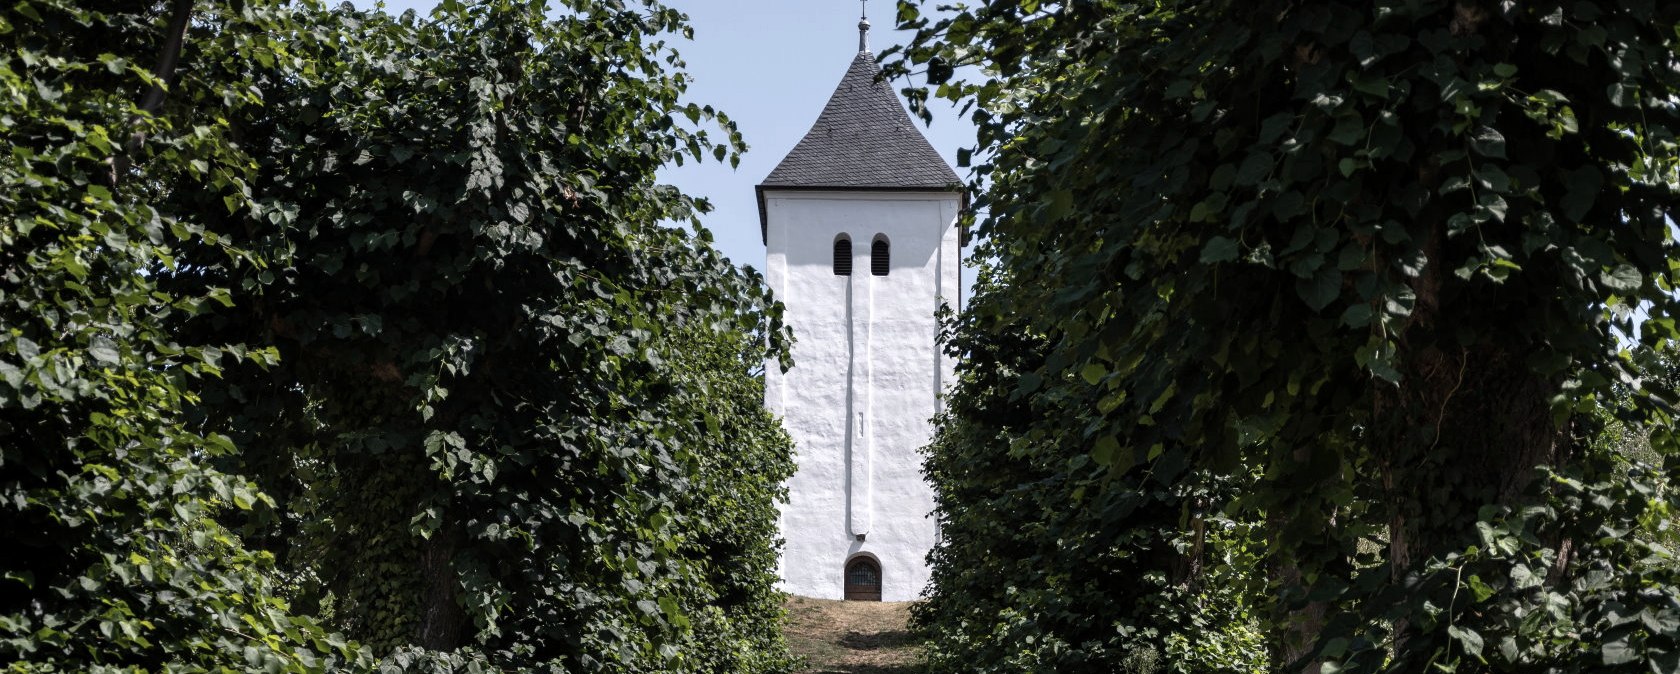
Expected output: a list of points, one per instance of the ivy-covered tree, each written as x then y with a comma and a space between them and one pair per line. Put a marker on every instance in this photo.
112, 556
387, 301
515, 422
1358, 277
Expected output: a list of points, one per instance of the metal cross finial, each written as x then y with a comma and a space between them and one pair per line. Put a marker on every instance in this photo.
863, 27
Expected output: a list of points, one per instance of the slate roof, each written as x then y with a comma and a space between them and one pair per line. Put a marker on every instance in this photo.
863, 140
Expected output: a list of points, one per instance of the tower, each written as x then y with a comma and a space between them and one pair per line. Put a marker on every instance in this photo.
862, 246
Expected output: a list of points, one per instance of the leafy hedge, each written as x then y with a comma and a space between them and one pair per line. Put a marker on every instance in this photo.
1302, 322
375, 329
114, 558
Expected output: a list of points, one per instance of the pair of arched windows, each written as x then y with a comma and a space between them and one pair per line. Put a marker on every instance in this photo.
880, 256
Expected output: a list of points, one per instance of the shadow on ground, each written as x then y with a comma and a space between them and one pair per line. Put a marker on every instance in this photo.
837, 637
863, 641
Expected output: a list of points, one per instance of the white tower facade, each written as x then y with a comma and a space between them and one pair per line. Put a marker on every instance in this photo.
863, 246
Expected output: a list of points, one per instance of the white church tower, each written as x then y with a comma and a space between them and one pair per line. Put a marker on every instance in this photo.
860, 227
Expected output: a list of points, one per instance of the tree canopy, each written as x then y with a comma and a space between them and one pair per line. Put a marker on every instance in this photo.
338, 340
1299, 331
115, 554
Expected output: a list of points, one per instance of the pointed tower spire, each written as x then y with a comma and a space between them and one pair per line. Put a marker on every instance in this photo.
863, 28
863, 141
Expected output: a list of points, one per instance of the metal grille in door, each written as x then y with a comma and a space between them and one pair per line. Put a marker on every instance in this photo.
863, 580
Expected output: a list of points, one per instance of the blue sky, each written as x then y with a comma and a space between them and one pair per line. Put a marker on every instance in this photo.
770, 65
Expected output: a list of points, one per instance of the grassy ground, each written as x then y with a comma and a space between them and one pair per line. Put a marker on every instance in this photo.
851, 637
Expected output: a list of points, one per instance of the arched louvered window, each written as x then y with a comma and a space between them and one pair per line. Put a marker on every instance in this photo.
880, 257
863, 580
843, 256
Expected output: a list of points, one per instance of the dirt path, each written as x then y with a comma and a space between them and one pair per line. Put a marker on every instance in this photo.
851, 637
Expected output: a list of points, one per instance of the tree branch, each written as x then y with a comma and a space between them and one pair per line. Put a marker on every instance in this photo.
164, 72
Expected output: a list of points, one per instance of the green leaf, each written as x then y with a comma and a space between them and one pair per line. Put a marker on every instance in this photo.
1060, 205
1619, 651
1289, 205
1581, 188
1667, 662
1254, 169
1349, 130
1661, 621
1322, 289
1479, 590
1488, 142
1620, 94
1373, 85
1030, 381
1624, 279
1273, 128
104, 350
1219, 249
1105, 450
113, 63
1357, 316
1468, 638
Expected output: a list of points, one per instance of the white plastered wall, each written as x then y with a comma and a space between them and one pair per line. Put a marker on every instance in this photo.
865, 383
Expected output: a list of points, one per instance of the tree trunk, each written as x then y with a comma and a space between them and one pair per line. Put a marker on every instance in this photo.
443, 621
1469, 421
1465, 428
169, 56
1299, 622
1298, 631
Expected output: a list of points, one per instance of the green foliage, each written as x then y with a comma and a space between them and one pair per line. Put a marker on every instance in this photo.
1033, 573
337, 318
515, 423
114, 559
1344, 275
741, 463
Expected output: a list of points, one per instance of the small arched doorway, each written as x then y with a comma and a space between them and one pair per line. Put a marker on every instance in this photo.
863, 580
